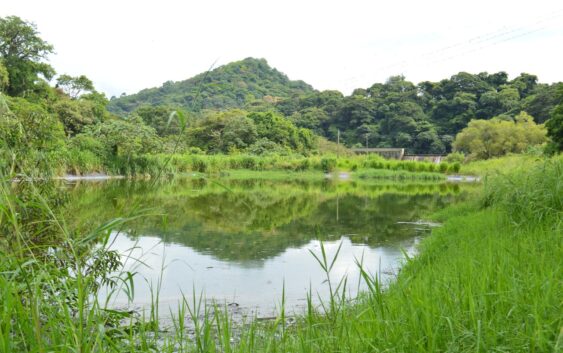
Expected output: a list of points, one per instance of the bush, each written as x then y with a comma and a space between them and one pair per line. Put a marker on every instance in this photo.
454, 157
328, 164
199, 164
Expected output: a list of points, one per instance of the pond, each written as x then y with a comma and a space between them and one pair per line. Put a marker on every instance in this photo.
246, 243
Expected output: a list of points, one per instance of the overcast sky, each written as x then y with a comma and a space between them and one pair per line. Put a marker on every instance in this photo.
125, 46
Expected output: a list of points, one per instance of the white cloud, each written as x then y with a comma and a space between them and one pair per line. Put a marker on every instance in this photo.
125, 46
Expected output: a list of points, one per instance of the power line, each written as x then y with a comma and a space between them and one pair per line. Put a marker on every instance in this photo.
476, 43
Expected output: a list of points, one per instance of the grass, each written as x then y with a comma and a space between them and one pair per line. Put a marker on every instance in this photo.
399, 175
489, 280
84, 162
505, 164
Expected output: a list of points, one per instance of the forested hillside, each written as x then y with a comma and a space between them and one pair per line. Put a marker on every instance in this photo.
424, 117
230, 86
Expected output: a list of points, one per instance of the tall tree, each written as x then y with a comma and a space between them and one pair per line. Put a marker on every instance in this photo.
484, 139
23, 52
75, 86
555, 124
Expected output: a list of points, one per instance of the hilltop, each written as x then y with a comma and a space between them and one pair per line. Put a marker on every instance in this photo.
233, 85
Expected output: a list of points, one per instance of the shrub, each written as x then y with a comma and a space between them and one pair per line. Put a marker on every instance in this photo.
328, 164
454, 157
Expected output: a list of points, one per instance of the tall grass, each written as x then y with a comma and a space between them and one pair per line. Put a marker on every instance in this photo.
399, 175
80, 162
505, 164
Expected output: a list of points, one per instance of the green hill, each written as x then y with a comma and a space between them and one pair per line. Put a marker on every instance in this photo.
230, 86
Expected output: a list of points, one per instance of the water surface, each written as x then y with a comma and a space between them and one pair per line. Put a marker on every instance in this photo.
245, 242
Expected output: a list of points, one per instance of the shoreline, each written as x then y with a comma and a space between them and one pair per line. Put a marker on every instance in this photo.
341, 175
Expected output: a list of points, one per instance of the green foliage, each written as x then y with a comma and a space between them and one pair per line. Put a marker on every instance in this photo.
555, 124
75, 86
422, 118
529, 196
264, 147
223, 132
401, 175
28, 126
541, 103
505, 164
277, 129
314, 119
328, 164
76, 114
455, 157
22, 52
280, 117
4, 77
230, 86
484, 139
158, 117
31, 139
125, 138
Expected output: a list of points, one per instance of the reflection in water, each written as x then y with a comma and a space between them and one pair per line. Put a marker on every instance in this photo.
253, 284
239, 242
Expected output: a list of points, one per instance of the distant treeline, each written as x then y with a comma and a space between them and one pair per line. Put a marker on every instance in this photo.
423, 118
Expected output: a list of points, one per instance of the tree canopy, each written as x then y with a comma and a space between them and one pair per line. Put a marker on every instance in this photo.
22, 52
234, 85
555, 124
484, 139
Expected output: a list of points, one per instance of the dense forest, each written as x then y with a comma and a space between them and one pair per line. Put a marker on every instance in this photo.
423, 118
230, 86
250, 108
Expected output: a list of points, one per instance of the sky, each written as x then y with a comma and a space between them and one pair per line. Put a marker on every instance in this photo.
125, 46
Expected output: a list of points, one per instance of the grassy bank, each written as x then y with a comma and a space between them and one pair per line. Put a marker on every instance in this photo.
502, 165
157, 164
488, 280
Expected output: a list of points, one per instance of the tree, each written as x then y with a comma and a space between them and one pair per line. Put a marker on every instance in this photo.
125, 137
76, 114
22, 51
158, 117
29, 136
555, 124
484, 139
75, 86
450, 116
541, 103
315, 119
4, 77
525, 84
239, 133
223, 132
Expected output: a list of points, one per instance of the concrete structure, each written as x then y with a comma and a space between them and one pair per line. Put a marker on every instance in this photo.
399, 153
434, 158
389, 153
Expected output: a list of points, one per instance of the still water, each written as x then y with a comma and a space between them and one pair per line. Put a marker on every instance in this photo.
244, 243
